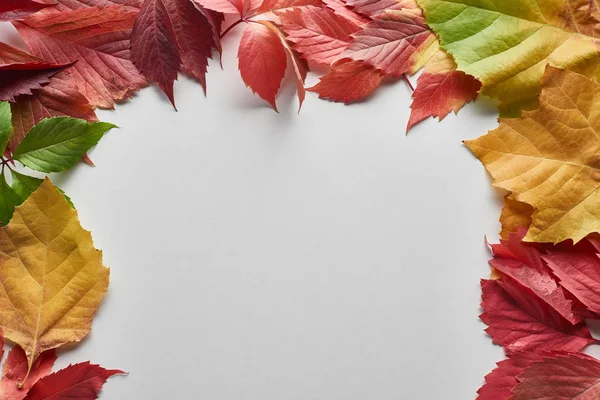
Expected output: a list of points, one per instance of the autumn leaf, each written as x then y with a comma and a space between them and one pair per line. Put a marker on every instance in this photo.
348, 82
240, 7
262, 61
15, 9
276, 5
441, 89
549, 158
42, 311
500, 382
372, 8
5, 125
15, 369
96, 41
340, 8
517, 322
318, 34
506, 44
20, 72
514, 215
560, 377
169, 35
81, 381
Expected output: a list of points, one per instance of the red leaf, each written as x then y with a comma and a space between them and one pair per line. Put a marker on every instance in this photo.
396, 42
500, 382
339, 6
372, 8
317, 33
562, 377
15, 369
15, 9
516, 322
239, 7
441, 89
80, 381
348, 82
21, 72
274, 5
579, 273
262, 61
97, 41
65, 5
522, 262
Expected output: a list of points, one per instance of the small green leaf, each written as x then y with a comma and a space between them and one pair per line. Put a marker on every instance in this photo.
24, 185
56, 144
5, 125
8, 201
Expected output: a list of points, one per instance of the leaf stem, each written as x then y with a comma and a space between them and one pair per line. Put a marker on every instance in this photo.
236, 23
408, 82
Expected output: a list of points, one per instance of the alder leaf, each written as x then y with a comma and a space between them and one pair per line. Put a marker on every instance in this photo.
516, 322
549, 158
561, 377
43, 311
56, 144
514, 215
20, 72
81, 381
318, 34
396, 42
500, 382
15, 370
348, 82
15, 9
441, 89
96, 41
506, 44
262, 61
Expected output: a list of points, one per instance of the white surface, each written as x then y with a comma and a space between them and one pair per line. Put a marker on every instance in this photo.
264, 256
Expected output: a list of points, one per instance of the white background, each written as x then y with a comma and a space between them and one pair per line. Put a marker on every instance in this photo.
265, 256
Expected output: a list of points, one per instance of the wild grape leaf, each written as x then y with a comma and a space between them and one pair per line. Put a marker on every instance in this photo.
15, 9
8, 200
340, 8
561, 377
276, 5
15, 369
441, 89
348, 82
262, 61
42, 311
514, 215
96, 41
318, 34
549, 158
65, 5
372, 8
20, 72
396, 42
81, 381
240, 7
516, 322
500, 382
506, 44
167, 35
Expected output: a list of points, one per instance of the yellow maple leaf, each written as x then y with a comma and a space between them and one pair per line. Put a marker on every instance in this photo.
550, 158
514, 215
51, 277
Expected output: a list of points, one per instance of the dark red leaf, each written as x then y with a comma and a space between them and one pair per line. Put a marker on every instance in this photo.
348, 82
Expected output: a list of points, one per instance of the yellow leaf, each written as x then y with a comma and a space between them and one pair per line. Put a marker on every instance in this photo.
550, 158
51, 277
514, 215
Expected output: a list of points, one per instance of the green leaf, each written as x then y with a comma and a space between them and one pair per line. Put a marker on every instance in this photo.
24, 185
5, 125
8, 201
56, 144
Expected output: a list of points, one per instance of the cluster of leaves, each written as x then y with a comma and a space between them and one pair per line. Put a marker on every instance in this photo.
52, 281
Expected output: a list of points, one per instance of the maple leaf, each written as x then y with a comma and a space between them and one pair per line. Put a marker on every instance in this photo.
560, 377
42, 311
506, 44
169, 34
516, 322
348, 82
15, 369
549, 158
441, 89
15, 9
396, 42
262, 61
318, 34
500, 382
96, 41
340, 8
20, 72
514, 215
81, 381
